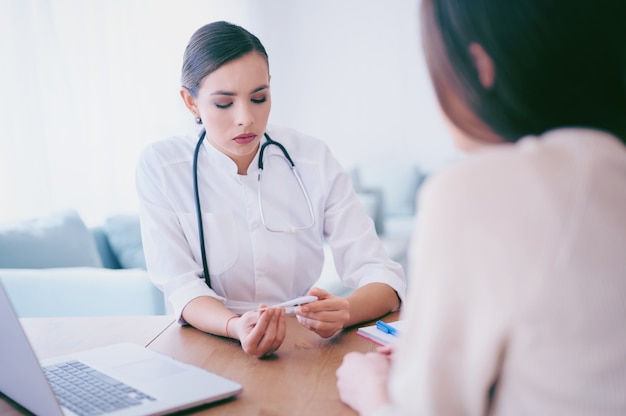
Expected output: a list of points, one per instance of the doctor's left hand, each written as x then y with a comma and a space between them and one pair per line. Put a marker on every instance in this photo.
325, 316
261, 333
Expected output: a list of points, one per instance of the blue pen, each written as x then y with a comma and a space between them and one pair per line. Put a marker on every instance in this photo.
386, 328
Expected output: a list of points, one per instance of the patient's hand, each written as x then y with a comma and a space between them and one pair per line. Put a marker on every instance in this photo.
326, 316
261, 332
362, 380
386, 350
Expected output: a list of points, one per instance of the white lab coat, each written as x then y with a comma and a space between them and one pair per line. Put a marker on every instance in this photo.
247, 263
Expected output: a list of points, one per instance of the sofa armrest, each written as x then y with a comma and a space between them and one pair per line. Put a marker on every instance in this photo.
82, 291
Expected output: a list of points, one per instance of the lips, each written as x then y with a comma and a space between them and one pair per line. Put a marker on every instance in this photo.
245, 138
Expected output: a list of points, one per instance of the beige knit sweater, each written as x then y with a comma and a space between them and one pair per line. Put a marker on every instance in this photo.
518, 277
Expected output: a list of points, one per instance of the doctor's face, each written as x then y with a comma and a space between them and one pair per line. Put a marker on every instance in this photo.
234, 104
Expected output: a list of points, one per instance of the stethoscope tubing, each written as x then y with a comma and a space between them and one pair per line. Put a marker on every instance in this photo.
205, 266
268, 142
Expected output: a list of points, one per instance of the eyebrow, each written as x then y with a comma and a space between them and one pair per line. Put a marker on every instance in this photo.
232, 94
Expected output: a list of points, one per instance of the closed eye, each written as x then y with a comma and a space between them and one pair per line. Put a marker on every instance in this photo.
223, 105
259, 100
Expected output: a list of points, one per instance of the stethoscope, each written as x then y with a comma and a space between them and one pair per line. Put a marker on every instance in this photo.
287, 159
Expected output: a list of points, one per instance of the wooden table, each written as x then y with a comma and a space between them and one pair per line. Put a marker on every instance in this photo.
299, 379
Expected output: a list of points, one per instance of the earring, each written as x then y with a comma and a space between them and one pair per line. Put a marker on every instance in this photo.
197, 118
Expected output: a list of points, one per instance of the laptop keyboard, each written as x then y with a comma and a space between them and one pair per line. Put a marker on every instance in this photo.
89, 392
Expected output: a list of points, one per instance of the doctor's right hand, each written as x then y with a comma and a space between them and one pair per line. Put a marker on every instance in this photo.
261, 332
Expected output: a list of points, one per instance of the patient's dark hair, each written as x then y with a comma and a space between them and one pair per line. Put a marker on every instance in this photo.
557, 63
212, 46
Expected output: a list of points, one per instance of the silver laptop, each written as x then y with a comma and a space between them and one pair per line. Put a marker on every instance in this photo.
127, 379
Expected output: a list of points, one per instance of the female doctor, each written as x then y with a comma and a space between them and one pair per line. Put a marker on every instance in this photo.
263, 223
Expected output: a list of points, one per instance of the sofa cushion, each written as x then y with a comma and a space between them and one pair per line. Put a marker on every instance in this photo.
58, 240
124, 234
108, 257
398, 183
372, 202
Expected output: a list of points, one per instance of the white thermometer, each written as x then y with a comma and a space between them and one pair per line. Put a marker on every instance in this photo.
290, 305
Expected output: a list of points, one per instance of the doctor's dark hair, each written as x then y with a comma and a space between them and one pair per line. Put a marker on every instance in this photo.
557, 63
212, 46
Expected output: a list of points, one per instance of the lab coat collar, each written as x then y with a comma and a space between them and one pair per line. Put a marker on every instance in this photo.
217, 158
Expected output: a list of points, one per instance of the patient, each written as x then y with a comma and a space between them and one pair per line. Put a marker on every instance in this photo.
517, 301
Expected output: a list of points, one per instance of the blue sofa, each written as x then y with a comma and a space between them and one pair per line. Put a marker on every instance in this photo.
57, 266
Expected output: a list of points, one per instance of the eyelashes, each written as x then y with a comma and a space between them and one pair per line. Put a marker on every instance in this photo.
253, 100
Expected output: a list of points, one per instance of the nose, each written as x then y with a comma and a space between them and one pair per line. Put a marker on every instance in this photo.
245, 116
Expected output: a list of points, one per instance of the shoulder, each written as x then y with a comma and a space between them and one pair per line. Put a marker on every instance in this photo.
169, 150
534, 166
311, 155
531, 186
297, 141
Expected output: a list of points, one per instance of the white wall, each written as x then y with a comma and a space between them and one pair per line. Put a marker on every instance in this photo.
87, 84
352, 73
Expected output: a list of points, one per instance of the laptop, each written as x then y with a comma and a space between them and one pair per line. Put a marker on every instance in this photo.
141, 381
